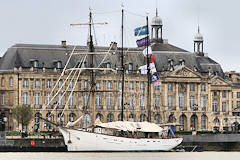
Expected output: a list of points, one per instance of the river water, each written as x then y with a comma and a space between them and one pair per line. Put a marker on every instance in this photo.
120, 156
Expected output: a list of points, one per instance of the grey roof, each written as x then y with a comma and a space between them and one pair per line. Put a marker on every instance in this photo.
22, 55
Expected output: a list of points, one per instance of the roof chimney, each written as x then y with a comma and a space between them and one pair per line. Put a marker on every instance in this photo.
64, 43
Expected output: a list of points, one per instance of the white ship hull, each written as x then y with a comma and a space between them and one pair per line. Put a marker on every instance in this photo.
77, 140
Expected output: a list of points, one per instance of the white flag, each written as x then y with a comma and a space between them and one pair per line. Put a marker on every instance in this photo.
152, 68
149, 51
143, 69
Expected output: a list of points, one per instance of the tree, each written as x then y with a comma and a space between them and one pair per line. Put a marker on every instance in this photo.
23, 114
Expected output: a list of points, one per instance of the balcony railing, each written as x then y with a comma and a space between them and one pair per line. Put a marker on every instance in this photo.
72, 107
99, 107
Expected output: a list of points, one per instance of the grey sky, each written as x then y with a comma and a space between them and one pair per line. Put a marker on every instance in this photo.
47, 22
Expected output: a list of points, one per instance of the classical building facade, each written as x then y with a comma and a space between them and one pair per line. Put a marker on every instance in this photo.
194, 91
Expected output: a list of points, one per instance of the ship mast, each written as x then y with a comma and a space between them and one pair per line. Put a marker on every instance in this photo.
148, 77
122, 65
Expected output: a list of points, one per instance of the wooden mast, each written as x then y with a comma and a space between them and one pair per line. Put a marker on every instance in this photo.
123, 70
148, 77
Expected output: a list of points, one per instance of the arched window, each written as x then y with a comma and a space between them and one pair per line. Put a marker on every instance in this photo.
49, 117
216, 121
86, 121
203, 122
183, 122
131, 117
194, 122
142, 117
171, 119
110, 117
60, 119
100, 116
71, 117
37, 121
120, 117
157, 118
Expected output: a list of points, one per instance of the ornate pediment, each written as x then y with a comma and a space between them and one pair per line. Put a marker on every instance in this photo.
217, 81
185, 72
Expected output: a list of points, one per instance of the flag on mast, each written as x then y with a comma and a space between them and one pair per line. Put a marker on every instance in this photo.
143, 42
141, 31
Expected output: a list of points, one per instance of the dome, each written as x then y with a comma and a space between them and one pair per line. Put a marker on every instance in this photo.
198, 37
156, 21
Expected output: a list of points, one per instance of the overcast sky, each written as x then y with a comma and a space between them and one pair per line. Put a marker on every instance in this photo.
47, 22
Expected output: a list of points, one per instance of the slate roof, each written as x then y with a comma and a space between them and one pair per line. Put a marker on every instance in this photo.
47, 55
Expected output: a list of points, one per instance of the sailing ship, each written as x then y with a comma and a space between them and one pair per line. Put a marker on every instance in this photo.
112, 136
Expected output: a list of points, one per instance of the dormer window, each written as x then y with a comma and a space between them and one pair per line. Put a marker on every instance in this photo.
59, 65
170, 62
108, 65
130, 66
35, 63
182, 62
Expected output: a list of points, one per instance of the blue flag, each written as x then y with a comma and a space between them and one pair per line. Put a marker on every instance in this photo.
141, 31
143, 42
154, 77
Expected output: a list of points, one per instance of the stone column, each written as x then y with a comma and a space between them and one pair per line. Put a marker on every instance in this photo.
177, 102
187, 101
229, 107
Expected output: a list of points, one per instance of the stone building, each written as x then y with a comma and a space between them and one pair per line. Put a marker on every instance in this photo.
194, 92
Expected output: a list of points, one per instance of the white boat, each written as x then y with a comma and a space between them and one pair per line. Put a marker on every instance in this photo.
104, 138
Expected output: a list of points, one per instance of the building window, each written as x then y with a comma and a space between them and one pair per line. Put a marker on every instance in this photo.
131, 86
130, 66
224, 106
48, 98
238, 94
59, 83
157, 101
214, 106
142, 101
192, 101
25, 98
142, 86
119, 101
48, 83
203, 87
71, 84
60, 99
192, 87
108, 65
238, 104
203, 122
71, 117
11, 81
59, 65
203, 101
170, 87
25, 83
170, 102
3, 99
109, 101
37, 83
214, 94
85, 85
85, 99
224, 95
35, 63
157, 87
109, 85
181, 100
98, 85
110, 117
98, 100
131, 100
142, 117
37, 98
71, 100
119, 86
